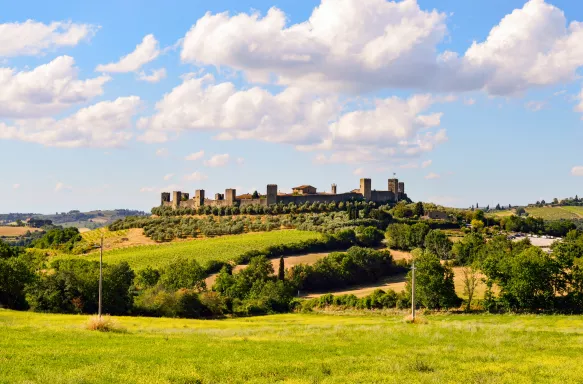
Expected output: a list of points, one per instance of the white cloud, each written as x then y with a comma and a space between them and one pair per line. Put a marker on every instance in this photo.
105, 124
358, 172
196, 176
144, 53
168, 176
377, 44
535, 106
240, 161
16, 186
409, 166
432, 175
218, 160
195, 156
393, 127
155, 76
577, 171
60, 186
162, 152
426, 163
33, 37
469, 101
198, 104
147, 189
47, 89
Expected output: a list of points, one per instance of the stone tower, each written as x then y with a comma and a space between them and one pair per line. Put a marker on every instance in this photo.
394, 186
365, 188
230, 196
334, 189
401, 188
199, 197
271, 194
165, 198
176, 197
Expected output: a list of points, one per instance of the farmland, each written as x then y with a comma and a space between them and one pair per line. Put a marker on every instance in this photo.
294, 348
222, 248
548, 213
15, 231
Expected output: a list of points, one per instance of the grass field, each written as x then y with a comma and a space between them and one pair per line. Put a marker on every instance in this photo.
293, 348
223, 248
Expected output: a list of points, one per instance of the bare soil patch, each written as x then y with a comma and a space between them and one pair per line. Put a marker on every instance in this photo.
16, 231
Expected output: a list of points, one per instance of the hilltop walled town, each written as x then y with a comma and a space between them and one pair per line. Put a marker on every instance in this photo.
300, 195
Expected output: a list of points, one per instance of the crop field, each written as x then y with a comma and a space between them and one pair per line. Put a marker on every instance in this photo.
552, 213
15, 231
223, 248
576, 210
293, 348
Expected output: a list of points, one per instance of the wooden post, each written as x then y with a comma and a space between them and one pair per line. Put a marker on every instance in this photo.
413, 291
100, 275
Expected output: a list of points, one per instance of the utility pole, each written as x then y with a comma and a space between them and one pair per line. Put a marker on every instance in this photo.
413, 291
100, 275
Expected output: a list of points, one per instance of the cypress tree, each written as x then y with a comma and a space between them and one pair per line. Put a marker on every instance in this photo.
281, 271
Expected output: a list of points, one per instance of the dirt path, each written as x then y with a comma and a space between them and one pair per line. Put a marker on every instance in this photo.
397, 283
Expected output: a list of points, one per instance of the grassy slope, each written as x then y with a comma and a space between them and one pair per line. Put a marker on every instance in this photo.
548, 213
293, 348
221, 248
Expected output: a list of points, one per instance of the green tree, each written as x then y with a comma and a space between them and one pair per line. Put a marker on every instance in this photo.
369, 236
434, 287
419, 210
15, 275
281, 270
418, 233
183, 273
437, 243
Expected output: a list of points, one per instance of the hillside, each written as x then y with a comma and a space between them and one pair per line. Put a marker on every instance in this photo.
222, 248
91, 220
293, 348
548, 213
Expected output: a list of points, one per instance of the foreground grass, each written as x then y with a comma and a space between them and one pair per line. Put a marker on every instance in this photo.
223, 248
293, 348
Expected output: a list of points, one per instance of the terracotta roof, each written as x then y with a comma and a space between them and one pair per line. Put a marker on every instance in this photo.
245, 196
303, 187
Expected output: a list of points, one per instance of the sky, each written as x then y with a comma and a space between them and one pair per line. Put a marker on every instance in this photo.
106, 104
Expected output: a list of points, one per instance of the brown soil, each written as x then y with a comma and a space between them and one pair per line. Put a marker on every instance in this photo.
16, 231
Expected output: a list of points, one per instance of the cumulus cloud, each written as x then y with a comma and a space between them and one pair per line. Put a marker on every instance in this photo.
105, 124
218, 160
15, 186
195, 156
196, 176
376, 44
240, 161
145, 52
47, 89
577, 171
147, 189
33, 37
432, 175
392, 127
469, 101
168, 176
155, 75
358, 172
200, 104
426, 163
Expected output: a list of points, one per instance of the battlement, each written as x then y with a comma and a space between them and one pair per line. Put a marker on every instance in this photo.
301, 195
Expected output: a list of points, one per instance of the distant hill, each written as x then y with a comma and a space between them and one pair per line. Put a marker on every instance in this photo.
92, 219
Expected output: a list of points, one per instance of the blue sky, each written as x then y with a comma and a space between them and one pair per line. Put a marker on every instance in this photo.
465, 101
